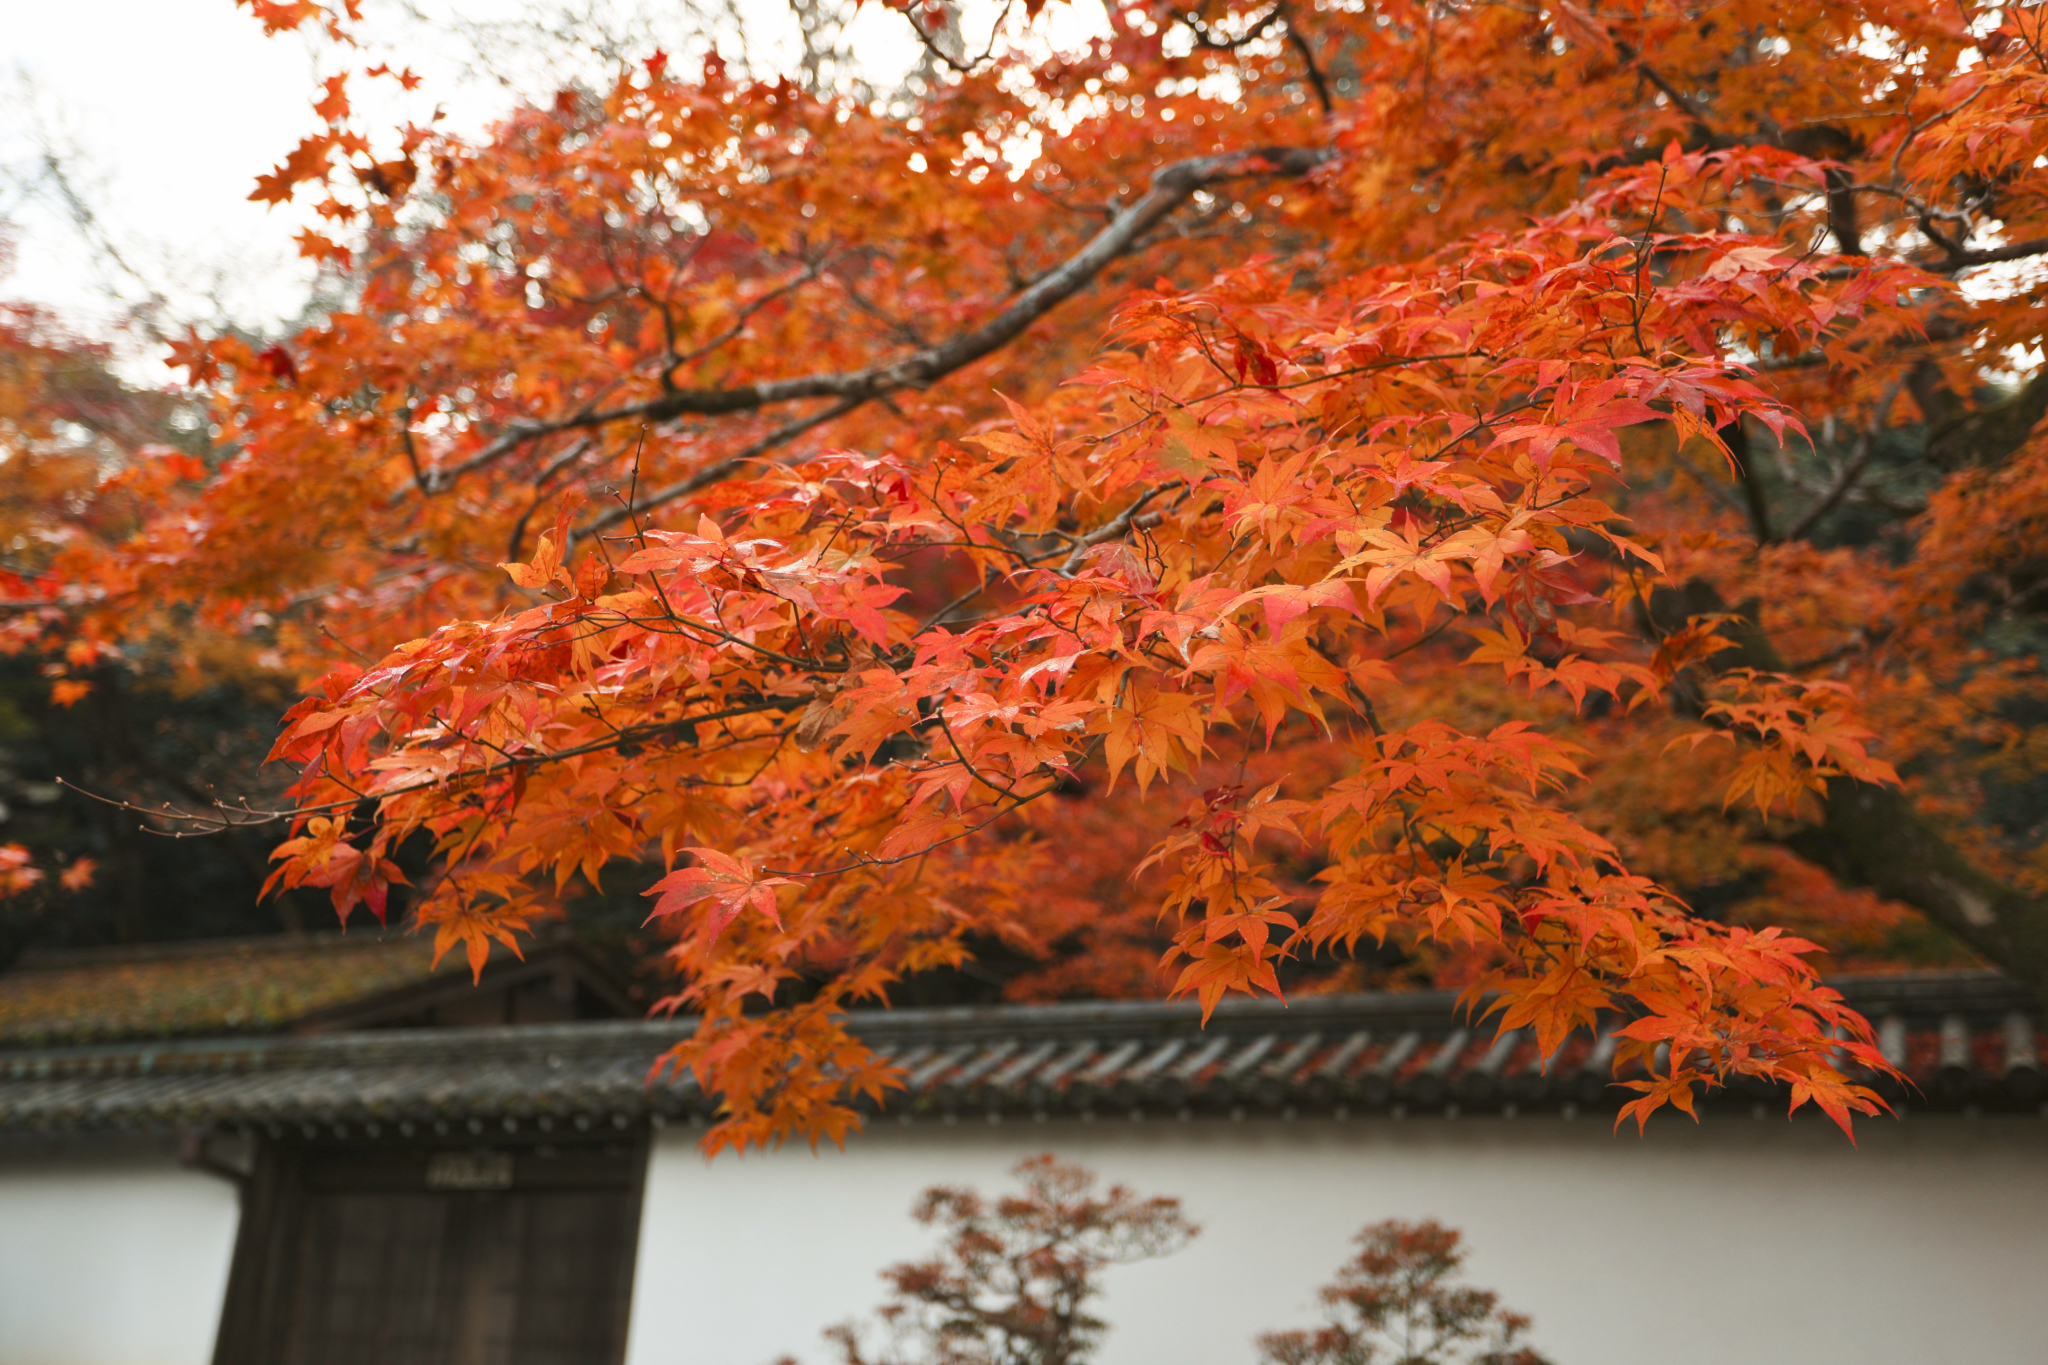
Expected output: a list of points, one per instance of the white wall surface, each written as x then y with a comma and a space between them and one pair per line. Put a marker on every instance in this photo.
1740, 1242
111, 1258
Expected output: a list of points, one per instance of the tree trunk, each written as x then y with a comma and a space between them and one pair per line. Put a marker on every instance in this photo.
1872, 836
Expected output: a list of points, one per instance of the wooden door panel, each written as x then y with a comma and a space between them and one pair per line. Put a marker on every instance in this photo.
573, 1275
374, 1271
353, 1259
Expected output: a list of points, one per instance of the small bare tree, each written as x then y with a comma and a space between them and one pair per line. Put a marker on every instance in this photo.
1013, 1281
1396, 1303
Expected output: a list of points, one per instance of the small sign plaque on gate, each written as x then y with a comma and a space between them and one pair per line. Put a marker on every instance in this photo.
469, 1171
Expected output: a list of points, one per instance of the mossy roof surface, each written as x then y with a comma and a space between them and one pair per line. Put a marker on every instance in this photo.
174, 990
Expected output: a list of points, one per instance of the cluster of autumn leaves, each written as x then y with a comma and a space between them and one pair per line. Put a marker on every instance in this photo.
1365, 400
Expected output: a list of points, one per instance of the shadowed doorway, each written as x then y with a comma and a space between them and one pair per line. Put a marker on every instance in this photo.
372, 1253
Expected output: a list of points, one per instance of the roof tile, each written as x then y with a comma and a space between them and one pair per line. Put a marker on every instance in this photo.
1970, 1040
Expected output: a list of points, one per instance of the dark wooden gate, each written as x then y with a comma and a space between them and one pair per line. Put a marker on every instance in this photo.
458, 1254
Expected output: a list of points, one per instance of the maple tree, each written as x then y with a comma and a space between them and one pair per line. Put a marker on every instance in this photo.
1398, 1301
152, 706
1489, 467
1014, 1280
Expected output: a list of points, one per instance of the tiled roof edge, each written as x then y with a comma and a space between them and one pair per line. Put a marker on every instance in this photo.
1916, 994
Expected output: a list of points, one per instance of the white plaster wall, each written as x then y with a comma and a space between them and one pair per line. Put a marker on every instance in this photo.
1739, 1242
111, 1258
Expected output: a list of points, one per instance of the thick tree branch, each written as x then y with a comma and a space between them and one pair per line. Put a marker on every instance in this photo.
1171, 187
2014, 251
1957, 259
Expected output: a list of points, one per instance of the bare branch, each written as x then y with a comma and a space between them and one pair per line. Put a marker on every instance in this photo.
224, 816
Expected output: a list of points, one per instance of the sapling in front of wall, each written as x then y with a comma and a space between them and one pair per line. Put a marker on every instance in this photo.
1013, 1283
1398, 1302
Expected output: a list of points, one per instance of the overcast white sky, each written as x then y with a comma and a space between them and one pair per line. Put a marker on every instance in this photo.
164, 111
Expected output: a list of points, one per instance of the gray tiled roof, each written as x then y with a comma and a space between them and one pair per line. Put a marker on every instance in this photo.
1967, 1039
